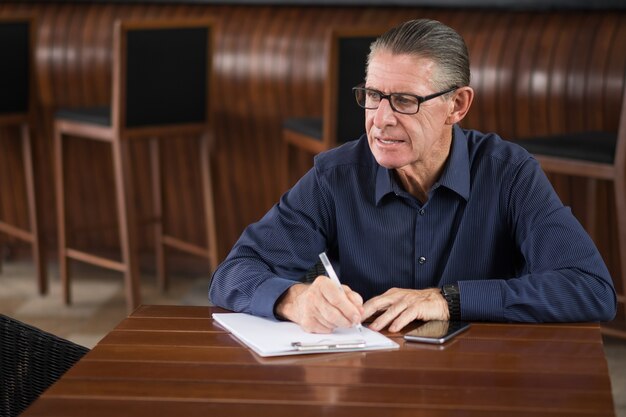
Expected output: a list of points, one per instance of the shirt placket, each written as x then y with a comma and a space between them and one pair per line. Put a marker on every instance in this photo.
423, 262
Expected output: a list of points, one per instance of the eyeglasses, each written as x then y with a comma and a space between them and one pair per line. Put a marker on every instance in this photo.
404, 103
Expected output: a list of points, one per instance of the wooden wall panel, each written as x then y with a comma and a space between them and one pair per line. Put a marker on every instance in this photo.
534, 74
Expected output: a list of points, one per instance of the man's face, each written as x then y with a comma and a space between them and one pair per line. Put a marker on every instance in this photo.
406, 141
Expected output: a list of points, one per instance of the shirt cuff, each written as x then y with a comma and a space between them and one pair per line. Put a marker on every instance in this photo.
266, 294
481, 300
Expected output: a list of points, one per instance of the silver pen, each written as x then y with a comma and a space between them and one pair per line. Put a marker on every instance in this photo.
333, 276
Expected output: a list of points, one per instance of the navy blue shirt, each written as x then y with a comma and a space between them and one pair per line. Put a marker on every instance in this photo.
492, 223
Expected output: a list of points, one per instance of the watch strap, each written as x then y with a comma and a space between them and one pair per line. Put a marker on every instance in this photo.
452, 295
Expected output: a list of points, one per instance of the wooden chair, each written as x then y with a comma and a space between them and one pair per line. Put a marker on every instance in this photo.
17, 99
347, 56
594, 156
161, 84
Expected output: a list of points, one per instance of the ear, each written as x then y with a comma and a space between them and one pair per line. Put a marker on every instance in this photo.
460, 104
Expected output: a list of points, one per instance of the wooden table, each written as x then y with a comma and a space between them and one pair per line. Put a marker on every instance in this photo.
174, 361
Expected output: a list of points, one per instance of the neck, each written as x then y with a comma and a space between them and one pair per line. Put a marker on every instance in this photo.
418, 184
418, 178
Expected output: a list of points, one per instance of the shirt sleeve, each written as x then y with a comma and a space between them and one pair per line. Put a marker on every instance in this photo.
273, 253
563, 277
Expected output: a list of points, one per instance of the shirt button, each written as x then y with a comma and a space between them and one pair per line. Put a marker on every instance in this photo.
422, 211
421, 260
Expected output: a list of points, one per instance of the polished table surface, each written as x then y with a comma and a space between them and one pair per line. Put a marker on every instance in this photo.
175, 361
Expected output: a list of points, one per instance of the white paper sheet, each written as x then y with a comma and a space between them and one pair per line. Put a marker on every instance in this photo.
274, 338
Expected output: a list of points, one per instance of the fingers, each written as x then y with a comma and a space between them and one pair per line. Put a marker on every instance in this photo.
323, 307
401, 306
379, 303
356, 299
342, 306
396, 318
316, 324
396, 313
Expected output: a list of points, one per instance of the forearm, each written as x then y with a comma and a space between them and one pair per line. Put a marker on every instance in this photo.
247, 285
562, 277
272, 254
553, 296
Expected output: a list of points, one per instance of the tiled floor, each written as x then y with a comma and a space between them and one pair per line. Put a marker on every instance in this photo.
99, 305
98, 298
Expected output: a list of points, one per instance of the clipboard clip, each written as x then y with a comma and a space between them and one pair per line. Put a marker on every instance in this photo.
326, 344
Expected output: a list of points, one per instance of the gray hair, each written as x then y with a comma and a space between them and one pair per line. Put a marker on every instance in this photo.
433, 40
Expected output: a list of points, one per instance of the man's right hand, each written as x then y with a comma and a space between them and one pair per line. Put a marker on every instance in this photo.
321, 307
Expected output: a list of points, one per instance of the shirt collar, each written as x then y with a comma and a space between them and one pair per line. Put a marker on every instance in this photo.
456, 174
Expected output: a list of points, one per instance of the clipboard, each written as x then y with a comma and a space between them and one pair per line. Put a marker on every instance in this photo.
269, 337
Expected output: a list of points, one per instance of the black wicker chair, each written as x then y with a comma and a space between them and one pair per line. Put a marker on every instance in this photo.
31, 360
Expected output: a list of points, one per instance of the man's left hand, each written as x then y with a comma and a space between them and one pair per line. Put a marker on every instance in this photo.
401, 306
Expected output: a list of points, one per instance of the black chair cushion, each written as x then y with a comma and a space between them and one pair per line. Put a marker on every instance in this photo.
584, 146
14, 70
350, 125
92, 115
166, 76
353, 53
309, 126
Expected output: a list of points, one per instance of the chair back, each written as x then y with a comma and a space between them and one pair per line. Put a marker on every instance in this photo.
16, 72
161, 75
344, 120
31, 360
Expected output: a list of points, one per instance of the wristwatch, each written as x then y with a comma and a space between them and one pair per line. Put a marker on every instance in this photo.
451, 293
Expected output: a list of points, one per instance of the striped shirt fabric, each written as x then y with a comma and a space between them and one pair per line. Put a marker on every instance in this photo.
493, 224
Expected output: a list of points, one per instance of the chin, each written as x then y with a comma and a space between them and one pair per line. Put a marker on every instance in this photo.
388, 161
390, 158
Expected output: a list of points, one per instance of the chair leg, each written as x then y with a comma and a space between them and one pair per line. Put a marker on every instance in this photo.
157, 200
620, 213
33, 213
126, 217
286, 167
592, 202
64, 272
207, 196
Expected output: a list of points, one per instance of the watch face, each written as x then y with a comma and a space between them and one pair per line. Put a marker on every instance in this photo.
450, 289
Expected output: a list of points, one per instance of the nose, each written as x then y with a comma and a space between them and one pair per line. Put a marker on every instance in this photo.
384, 115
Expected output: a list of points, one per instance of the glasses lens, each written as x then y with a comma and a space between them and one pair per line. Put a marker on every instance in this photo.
404, 103
366, 98
372, 99
361, 97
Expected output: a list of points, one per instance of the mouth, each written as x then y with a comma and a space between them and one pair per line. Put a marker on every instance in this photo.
388, 141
